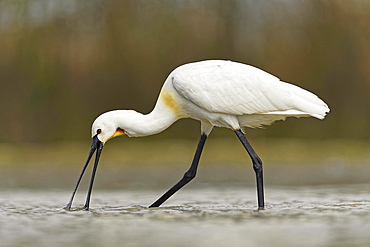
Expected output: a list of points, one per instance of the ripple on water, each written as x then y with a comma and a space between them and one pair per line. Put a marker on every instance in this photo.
320, 216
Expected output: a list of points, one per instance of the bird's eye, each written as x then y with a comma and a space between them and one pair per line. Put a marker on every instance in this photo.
98, 131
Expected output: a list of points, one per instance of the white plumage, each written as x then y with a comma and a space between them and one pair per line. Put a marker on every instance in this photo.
242, 90
217, 93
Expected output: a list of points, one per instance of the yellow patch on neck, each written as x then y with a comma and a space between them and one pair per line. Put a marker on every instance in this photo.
170, 102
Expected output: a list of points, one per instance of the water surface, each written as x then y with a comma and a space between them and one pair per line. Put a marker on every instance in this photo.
209, 216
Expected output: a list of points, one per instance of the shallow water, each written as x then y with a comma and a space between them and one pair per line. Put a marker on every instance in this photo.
227, 216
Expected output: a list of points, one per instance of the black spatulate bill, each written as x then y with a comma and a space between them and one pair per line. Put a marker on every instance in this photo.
98, 146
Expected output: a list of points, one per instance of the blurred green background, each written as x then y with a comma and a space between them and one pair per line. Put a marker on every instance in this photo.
63, 63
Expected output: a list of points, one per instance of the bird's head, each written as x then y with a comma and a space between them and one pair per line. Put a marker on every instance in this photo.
105, 127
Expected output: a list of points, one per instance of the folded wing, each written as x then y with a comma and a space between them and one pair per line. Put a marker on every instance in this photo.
239, 89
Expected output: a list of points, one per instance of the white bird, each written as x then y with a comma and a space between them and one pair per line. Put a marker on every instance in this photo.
217, 93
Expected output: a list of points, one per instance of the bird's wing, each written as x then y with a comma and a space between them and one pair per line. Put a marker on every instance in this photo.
232, 88
239, 89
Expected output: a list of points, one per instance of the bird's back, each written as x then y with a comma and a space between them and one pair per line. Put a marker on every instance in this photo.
242, 90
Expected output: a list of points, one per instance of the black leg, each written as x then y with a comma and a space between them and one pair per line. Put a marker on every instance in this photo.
188, 176
257, 166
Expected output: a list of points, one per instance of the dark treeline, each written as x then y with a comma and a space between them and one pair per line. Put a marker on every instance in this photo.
62, 63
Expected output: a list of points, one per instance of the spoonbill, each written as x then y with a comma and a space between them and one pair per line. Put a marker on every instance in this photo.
217, 93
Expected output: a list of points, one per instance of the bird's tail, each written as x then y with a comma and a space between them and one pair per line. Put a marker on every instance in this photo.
307, 102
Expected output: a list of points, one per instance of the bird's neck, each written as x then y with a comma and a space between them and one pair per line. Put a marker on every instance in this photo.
159, 119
